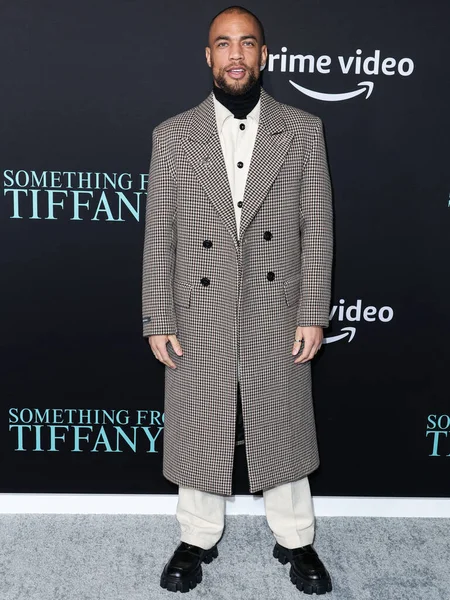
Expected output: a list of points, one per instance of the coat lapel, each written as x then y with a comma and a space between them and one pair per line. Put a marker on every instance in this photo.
204, 152
203, 149
271, 146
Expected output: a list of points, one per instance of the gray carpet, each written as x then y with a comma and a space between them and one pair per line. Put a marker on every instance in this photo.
119, 557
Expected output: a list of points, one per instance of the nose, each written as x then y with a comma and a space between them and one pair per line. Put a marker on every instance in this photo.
236, 51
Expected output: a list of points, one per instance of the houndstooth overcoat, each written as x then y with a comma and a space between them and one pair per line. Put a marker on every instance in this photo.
230, 297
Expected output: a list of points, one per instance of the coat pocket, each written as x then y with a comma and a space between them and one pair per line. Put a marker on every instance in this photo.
182, 293
292, 290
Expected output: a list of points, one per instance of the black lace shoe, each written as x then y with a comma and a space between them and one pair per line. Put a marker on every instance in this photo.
184, 569
307, 572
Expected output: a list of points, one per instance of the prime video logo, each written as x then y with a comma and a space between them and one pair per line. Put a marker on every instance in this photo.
366, 66
356, 313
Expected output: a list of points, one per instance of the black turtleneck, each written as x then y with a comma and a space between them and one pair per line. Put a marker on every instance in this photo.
240, 105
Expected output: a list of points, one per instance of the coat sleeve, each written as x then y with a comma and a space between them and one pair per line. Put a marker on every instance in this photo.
316, 231
158, 314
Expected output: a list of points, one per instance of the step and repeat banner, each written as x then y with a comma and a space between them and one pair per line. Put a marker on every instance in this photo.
83, 86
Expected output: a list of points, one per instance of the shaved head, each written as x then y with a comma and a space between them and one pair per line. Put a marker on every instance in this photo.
240, 10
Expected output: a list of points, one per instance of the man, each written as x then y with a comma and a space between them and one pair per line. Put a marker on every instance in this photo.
236, 279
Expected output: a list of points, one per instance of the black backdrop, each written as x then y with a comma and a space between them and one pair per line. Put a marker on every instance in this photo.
83, 85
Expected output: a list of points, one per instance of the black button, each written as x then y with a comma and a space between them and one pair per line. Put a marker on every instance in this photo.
240, 203
270, 275
267, 235
207, 243
242, 126
240, 164
205, 281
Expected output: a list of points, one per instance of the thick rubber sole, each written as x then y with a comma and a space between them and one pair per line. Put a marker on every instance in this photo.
188, 583
302, 584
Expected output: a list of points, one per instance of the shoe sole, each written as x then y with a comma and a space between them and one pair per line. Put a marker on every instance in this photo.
186, 584
303, 585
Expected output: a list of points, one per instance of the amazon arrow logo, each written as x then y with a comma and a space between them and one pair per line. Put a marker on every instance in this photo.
349, 331
368, 87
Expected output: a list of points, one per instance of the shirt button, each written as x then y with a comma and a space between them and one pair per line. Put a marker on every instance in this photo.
240, 203
242, 126
240, 164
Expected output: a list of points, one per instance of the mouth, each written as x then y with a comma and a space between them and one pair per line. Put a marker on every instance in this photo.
236, 72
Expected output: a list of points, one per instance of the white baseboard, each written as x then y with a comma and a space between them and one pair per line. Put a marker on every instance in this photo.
154, 504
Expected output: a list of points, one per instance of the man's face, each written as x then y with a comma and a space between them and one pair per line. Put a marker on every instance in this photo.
235, 53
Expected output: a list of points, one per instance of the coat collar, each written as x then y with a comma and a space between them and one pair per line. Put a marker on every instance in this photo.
203, 149
203, 121
223, 114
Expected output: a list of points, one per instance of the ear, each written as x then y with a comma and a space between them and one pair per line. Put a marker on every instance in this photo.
263, 57
208, 56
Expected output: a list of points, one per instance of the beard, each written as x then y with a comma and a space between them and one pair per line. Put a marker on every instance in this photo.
235, 89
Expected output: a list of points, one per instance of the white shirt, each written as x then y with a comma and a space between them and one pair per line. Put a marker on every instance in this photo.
237, 147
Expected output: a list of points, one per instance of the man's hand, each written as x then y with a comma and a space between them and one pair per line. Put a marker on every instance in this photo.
313, 337
158, 345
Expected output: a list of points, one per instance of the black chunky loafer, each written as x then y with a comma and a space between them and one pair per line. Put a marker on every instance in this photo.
184, 569
307, 572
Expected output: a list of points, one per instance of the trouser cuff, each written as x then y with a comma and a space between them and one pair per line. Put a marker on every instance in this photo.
297, 539
200, 540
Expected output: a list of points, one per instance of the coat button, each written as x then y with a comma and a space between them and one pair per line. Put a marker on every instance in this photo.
240, 164
240, 203
207, 243
267, 235
242, 126
204, 281
270, 275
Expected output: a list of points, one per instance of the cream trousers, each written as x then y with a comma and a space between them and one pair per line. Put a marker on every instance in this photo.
288, 507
